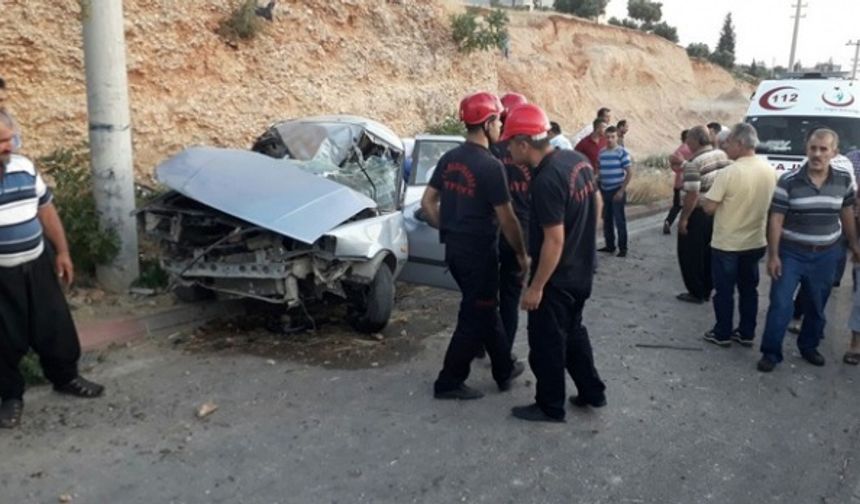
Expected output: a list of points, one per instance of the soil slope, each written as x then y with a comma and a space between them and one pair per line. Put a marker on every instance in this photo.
386, 59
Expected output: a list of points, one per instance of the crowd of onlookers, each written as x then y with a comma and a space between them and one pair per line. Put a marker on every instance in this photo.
735, 210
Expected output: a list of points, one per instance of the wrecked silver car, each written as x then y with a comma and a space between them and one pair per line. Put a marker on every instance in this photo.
312, 211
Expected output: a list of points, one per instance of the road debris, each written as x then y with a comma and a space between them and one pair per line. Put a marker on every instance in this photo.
206, 409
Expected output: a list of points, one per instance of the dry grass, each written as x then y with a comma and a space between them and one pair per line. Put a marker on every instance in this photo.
649, 185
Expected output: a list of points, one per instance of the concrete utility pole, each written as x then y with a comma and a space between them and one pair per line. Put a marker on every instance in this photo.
856, 44
797, 15
110, 135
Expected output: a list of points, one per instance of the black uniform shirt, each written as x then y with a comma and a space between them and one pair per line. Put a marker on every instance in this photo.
471, 183
519, 180
562, 192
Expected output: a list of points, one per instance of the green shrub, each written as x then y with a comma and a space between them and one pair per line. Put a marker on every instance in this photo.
451, 125
31, 370
658, 161
89, 245
243, 23
152, 276
472, 33
699, 50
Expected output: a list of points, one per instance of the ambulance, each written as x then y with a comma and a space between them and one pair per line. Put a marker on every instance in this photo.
783, 111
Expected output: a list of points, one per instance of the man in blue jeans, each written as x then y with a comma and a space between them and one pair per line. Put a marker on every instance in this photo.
811, 209
614, 173
739, 199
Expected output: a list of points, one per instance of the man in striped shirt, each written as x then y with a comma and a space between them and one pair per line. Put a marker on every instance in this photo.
811, 209
33, 309
614, 174
696, 227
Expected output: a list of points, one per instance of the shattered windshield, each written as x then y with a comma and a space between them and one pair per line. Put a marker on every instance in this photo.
377, 181
349, 153
786, 135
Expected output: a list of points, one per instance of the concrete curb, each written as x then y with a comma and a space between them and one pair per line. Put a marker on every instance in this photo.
99, 334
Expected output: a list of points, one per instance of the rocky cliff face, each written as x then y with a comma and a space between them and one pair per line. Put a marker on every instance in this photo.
391, 60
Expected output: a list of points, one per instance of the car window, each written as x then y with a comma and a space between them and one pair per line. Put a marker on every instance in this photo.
786, 135
425, 157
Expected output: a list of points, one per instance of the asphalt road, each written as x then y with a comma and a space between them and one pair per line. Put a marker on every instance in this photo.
686, 422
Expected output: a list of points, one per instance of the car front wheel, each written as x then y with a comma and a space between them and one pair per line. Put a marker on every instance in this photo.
374, 306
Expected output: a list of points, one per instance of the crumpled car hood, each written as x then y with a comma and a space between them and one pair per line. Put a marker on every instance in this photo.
270, 193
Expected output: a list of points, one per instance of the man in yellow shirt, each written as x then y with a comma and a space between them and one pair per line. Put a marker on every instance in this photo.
739, 200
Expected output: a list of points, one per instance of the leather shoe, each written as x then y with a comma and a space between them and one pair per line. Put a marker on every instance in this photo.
813, 357
582, 402
533, 413
10, 413
765, 365
517, 369
689, 298
462, 393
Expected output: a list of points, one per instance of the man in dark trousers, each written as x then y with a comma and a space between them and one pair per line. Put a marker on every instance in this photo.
561, 240
510, 274
696, 227
33, 310
467, 199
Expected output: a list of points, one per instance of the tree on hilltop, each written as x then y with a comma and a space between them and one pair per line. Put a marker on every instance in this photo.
646, 11
582, 8
724, 55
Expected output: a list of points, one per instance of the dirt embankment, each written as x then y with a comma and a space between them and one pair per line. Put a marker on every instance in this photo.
390, 60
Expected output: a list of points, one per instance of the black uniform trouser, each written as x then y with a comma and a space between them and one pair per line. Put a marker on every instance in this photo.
694, 254
558, 341
475, 267
510, 290
34, 314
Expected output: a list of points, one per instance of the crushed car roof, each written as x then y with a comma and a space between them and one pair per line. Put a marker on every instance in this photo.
271, 193
332, 137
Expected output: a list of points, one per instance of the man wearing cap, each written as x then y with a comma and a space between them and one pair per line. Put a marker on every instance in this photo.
468, 200
561, 241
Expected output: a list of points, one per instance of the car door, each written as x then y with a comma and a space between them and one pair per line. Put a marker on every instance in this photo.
426, 263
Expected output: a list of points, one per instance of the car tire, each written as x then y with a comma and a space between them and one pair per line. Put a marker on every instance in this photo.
192, 293
374, 309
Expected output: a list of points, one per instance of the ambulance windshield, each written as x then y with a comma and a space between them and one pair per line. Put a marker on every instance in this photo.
786, 135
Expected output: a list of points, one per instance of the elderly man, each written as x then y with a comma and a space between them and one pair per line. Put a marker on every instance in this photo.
695, 227
33, 310
739, 200
811, 209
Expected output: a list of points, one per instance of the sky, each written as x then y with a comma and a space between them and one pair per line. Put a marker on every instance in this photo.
764, 27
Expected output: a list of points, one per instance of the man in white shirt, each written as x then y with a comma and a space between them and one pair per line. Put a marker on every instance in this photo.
557, 139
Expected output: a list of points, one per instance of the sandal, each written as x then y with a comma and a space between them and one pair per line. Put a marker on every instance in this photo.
10, 413
81, 387
851, 358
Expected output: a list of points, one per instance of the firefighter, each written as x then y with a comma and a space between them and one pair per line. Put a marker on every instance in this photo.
468, 200
562, 240
510, 275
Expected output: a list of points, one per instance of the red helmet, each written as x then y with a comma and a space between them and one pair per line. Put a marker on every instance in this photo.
511, 101
529, 120
477, 108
